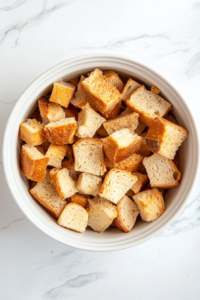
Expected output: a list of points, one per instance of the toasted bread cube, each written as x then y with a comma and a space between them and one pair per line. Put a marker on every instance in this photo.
129, 121
144, 150
162, 172
127, 213
148, 105
74, 81
89, 156
74, 217
88, 122
165, 138
115, 223
68, 163
80, 98
129, 88
56, 154
121, 144
80, 199
116, 184
45, 194
31, 131
103, 94
112, 77
151, 204
71, 112
102, 132
101, 214
63, 184
113, 113
131, 164
61, 132
62, 93
142, 181
89, 184
33, 163
140, 128
52, 111
155, 90
171, 119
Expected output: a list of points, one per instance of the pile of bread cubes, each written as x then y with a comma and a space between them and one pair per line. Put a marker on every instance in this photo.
99, 153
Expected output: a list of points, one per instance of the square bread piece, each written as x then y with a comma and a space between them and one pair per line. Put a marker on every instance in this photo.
74, 217
150, 203
129, 121
52, 111
31, 131
80, 199
116, 183
33, 163
89, 156
131, 164
162, 172
112, 77
142, 181
148, 105
129, 88
62, 93
80, 98
56, 154
63, 184
44, 193
121, 144
165, 138
74, 81
88, 122
89, 184
144, 151
127, 213
101, 214
103, 94
61, 132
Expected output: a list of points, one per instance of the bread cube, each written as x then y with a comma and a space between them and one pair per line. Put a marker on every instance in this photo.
68, 163
129, 121
140, 128
165, 138
151, 204
127, 213
155, 90
131, 164
89, 156
56, 154
144, 150
80, 199
80, 98
116, 184
88, 122
115, 223
89, 184
113, 113
62, 93
162, 172
103, 94
121, 144
148, 105
74, 81
101, 214
62, 183
31, 131
52, 111
129, 88
114, 79
61, 132
142, 181
74, 217
33, 163
45, 194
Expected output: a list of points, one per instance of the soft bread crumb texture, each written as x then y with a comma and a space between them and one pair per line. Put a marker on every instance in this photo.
74, 217
116, 183
31, 131
56, 154
89, 184
131, 164
129, 121
129, 88
112, 77
150, 203
162, 172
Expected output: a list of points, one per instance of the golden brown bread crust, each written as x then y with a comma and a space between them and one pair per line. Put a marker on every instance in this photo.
102, 132
71, 112
131, 164
176, 160
129, 119
54, 179
33, 169
111, 114
155, 90
61, 95
171, 119
117, 154
82, 200
74, 81
108, 74
68, 164
116, 224
142, 181
31, 138
61, 135
43, 106
36, 115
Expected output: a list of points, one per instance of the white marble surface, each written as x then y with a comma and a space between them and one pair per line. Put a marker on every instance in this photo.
34, 36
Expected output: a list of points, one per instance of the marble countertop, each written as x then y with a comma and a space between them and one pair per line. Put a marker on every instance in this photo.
36, 35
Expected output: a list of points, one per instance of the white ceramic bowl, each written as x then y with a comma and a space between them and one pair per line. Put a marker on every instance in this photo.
111, 239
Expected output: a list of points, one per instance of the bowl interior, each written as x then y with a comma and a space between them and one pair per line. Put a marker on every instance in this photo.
112, 238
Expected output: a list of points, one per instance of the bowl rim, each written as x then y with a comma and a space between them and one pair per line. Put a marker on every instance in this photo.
5, 160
